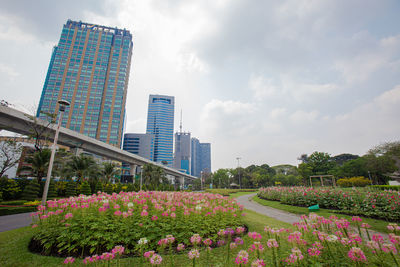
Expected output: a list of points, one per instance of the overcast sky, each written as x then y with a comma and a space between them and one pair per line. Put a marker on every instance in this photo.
265, 81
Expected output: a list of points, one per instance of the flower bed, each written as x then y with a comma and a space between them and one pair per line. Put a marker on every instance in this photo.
315, 241
95, 224
376, 204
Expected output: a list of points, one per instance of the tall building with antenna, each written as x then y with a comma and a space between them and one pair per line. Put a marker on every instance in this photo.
182, 150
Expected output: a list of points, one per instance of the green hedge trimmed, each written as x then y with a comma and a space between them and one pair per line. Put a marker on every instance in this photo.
386, 187
227, 192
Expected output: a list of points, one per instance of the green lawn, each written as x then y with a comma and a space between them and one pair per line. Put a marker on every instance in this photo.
377, 225
14, 247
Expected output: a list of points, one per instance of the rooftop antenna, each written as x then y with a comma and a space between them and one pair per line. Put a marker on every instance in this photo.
180, 125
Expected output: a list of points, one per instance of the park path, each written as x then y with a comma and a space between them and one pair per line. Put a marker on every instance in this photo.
280, 215
11, 222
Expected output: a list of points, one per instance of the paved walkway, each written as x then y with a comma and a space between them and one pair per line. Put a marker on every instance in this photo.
11, 222
268, 211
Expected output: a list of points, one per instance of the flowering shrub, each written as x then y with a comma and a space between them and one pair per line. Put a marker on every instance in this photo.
136, 220
381, 204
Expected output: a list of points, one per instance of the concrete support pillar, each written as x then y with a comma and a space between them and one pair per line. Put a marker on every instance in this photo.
182, 180
76, 151
132, 171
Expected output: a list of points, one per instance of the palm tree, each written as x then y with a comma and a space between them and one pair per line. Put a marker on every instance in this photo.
153, 175
83, 167
38, 163
109, 171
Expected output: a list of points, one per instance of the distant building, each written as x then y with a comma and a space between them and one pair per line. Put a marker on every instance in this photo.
205, 157
200, 157
139, 144
160, 123
89, 68
182, 152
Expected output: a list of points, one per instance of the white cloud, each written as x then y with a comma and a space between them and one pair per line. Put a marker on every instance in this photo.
301, 116
262, 87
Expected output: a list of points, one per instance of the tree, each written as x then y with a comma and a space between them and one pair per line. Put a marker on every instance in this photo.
83, 167
153, 175
221, 178
38, 163
40, 134
10, 152
109, 170
320, 163
343, 158
305, 170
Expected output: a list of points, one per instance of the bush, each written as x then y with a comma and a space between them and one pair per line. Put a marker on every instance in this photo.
31, 191
99, 187
52, 190
108, 189
386, 187
359, 181
85, 189
9, 188
71, 189
61, 187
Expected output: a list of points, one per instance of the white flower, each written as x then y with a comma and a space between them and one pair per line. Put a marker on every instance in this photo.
143, 241
130, 205
198, 207
331, 238
105, 201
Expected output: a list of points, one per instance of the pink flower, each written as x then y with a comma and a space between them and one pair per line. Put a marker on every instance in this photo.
116, 206
194, 253
149, 254
356, 219
118, 250
314, 252
117, 213
207, 242
195, 239
233, 245
256, 246
144, 213
156, 259
173, 215
272, 243
258, 263
34, 226
180, 247
254, 235
170, 239
240, 230
69, 260
387, 248
238, 241
163, 242
154, 218
357, 255
242, 257
68, 215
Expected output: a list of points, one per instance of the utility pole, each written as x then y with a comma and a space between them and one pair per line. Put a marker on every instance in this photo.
240, 183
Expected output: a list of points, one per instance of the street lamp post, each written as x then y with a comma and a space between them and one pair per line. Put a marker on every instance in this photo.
201, 180
141, 178
240, 183
62, 105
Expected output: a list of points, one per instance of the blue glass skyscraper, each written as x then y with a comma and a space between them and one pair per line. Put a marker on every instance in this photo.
90, 68
160, 123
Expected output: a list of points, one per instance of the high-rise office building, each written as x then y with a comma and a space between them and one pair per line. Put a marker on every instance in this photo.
205, 157
200, 157
195, 157
89, 68
160, 123
182, 152
139, 144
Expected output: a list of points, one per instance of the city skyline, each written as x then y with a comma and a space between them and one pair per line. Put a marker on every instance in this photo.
89, 68
264, 82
